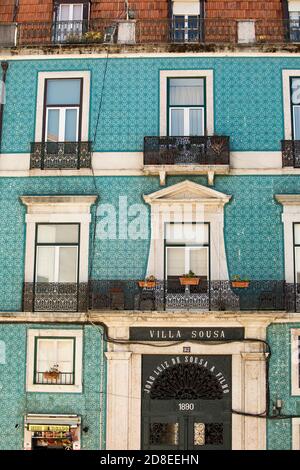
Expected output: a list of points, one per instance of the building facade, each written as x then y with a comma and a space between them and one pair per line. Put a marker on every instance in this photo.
150, 225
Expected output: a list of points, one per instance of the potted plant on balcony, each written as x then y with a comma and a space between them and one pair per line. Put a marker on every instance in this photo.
189, 279
239, 283
52, 373
148, 283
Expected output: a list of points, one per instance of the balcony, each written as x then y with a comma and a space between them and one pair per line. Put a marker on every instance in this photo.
290, 153
53, 297
170, 295
60, 155
186, 155
53, 378
207, 296
149, 31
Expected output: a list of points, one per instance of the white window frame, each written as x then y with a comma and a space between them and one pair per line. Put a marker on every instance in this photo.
208, 75
290, 216
186, 28
287, 101
31, 341
56, 260
62, 122
186, 118
71, 11
52, 210
42, 77
295, 350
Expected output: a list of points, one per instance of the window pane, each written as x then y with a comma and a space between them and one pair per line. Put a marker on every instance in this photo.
53, 233
179, 233
71, 125
77, 12
196, 122
46, 354
65, 353
64, 12
53, 125
186, 91
65, 91
297, 234
45, 264
296, 110
198, 261
175, 261
297, 264
296, 90
177, 122
67, 264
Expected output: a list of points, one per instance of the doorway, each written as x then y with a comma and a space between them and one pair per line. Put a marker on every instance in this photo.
186, 402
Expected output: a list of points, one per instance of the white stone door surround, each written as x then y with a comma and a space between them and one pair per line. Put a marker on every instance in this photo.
125, 371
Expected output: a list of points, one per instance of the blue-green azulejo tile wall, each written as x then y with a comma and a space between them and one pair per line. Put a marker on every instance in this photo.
130, 104
253, 229
280, 431
15, 402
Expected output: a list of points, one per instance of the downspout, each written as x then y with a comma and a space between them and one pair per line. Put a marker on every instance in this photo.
285, 19
16, 11
4, 66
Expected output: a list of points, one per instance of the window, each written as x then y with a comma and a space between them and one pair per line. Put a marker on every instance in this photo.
297, 252
186, 106
294, 25
187, 249
54, 361
57, 249
71, 21
186, 28
63, 99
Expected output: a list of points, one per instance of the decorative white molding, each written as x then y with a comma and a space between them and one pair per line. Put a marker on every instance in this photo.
42, 76
286, 76
209, 105
57, 209
31, 337
295, 336
195, 203
248, 392
296, 432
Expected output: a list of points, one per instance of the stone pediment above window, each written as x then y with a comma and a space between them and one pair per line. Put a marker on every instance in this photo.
188, 191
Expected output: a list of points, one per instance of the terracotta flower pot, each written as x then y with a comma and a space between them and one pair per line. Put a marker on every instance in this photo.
51, 375
240, 284
147, 284
189, 281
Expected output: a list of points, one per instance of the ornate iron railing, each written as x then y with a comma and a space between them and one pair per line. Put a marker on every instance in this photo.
60, 155
194, 150
50, 378
55, 297
161, 296
152, 31
290, 153
207, 295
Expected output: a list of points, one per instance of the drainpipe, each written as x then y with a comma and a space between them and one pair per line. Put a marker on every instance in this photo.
4, 66
16, 11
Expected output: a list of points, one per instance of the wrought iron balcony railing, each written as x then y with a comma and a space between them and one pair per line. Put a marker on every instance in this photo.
207, 295
55, 297
290, 153
195, 150
152, 31
60, 155
160, 296
53, 378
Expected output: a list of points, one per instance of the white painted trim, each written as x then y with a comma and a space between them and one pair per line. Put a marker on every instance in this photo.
42, 76
207, 74
296, 434
187, 202
286, 75
124, 377
295, 334
31, 335
57, 209
291, 214
7, 54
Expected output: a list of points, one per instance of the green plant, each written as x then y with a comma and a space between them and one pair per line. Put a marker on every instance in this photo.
92, 36
150, 278
189, 274
238, 278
